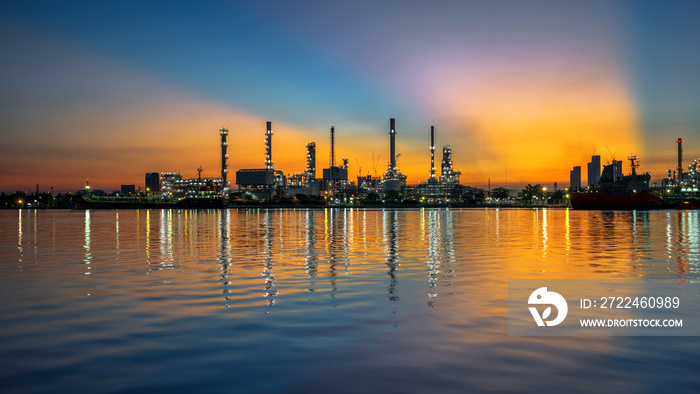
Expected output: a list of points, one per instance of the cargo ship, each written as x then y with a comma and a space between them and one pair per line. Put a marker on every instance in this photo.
617, 192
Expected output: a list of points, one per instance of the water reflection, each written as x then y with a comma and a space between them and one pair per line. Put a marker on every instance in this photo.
86, 245
328, 246
270, 290
311, 259
20, 249
682, 245
331, 246
449, 254
409, 256
166, 238
693, 240
433, 261
545, 238
390, 221
640, 234
148, 237
337, 244
567, 232
116, 232
224, 255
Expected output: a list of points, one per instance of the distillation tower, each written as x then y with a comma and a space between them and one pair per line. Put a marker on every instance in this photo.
224, 163
432, 153
680, 162
268, 147
394, 180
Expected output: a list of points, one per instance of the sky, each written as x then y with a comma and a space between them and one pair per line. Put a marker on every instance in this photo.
521, 91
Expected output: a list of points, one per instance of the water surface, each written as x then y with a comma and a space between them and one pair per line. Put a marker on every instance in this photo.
334, 300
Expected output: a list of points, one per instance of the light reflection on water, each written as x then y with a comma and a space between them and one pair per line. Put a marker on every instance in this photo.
319, 300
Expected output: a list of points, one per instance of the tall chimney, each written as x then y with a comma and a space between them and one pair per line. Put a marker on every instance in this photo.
392, 133
224, 162
680, 161
332, 146
432, 152
268, 147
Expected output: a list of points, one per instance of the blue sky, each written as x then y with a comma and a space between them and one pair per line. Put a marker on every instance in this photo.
110, 90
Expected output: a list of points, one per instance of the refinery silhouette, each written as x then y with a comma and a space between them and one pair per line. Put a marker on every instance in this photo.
607, 187
268, 184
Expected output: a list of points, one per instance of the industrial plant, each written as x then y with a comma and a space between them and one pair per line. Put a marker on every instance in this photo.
606, 185
334, 187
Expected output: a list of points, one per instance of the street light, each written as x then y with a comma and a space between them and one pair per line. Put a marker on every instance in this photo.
544, 189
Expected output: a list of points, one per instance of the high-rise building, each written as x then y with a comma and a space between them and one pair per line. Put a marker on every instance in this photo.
152, 182
575, 178
311, 160
594, 170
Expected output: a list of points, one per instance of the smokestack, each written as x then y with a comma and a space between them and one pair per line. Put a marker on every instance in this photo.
680, 161
392, 133
224, 162
332, 146
432, 152
268, 149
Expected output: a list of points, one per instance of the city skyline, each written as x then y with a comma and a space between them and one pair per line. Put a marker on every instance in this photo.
110, 91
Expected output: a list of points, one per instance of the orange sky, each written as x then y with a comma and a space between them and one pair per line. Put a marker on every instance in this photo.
524, 113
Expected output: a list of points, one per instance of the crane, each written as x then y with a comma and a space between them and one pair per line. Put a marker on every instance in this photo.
611, 153
375, 164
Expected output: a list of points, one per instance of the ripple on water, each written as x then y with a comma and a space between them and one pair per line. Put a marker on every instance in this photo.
312, 300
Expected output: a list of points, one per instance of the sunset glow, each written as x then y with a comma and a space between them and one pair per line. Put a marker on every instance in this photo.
520, 93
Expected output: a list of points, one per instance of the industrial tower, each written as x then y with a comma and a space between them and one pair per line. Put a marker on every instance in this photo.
392, 136
448, 175
680, 162
432, 153
268, 147
393, 178
332, 158
334, 175
224, 163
